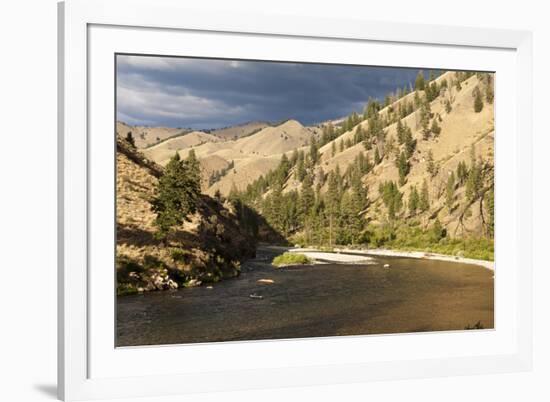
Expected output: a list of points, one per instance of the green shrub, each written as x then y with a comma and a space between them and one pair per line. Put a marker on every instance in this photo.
379, 236
291, 259
433, 240
180, 255
124, 289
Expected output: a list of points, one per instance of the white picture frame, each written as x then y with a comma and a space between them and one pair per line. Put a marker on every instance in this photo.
89, 367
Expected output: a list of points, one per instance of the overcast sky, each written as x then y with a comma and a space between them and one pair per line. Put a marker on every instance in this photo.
210, 93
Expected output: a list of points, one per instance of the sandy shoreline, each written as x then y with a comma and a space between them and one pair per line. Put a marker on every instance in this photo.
362, 256
421, 254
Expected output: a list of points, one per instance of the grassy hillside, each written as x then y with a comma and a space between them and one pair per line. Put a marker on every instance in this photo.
145, 136
239, 131
416, 172
235, 162
462, 129
164, 150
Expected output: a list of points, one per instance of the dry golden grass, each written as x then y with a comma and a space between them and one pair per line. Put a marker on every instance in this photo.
146, 136
161, 153
241, 130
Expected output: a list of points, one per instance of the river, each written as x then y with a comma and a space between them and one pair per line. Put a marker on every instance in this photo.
412, 295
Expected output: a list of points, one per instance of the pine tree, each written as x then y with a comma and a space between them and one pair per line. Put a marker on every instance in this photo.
333, 202
438, 232
425, 115
431, 167
176, 195
419, 83
461, 173
474, 180
359, 135
458, 84
327, 134
376, 127
333, 149
307, 196
300, 168
277, 208
339, 179
324, 136
314, 151
193, 169
353, 204
392, 198
344, 233
281, 173
410, 143
403, 167
478, 100
290, 212
424, 202
416, 100
355, 119
372, 109
450, 194
330, 131
489, 89
414, 201
410, 108
400, 132
432, 91
435, 128
448, 106
363, 163
428, 93
130, 139
389, 146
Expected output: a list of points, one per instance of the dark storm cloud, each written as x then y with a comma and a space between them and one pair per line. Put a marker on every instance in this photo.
208, 93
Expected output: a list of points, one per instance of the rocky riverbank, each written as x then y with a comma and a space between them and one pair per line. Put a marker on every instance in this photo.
207, 248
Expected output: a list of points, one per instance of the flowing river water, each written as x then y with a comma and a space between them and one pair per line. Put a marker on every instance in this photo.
412, 295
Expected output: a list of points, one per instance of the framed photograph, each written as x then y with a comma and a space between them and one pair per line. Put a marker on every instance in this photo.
254, 201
